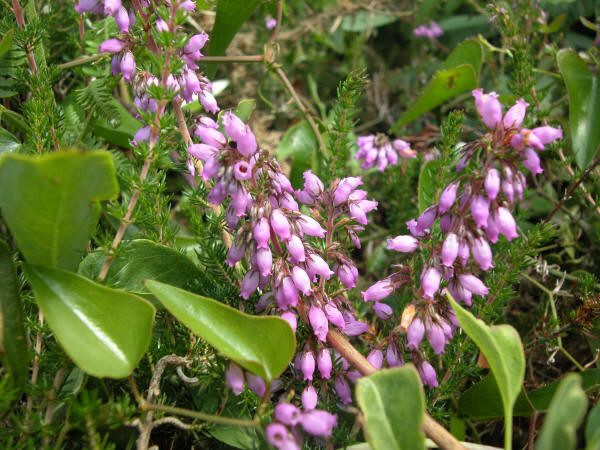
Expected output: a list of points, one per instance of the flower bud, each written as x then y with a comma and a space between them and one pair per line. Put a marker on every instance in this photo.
344, 188
471, 283
515, 115
547, 134
480, 210
324, 363
403, 243
334, 315
111, 7
428, 375
249, 284
261, 232
195, 43
290, 318
301, 280
447, 198
415, 333
318, 322
489, 108
450, 250
312, 184
264, 261
111, 46
342, 389
122, 20
506, 224
532, 161
316, 265
436, 338
256, 384
310, 226
235, 378
277, 435
492, 183
375, 357
309, 398
383, 311
280, 224
430, 282
426, 219
307, 365
287, 413
394, 359
318, 423
236, 253
295, 248
378, 291
482, 253
289, 292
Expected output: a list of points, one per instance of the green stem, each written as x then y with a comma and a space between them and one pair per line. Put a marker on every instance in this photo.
198, 415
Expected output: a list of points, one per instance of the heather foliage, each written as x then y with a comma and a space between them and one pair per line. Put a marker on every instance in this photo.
299, 225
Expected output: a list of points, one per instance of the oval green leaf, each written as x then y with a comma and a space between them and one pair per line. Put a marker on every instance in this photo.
564, 416
459, 73
393, 405
263, 345
104, 331
299, 143
13, 345
141, 260
501, 345
50, 203
583, 88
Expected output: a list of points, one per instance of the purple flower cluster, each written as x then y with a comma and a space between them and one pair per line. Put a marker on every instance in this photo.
472, 212
377, 150
283, 432
430, 32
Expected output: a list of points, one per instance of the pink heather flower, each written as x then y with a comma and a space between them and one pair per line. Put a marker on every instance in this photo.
295, 248
547, 134
324, 363
242, 170
141, 135
264, 261
471, 283
436, 338
403, 149
492, 230
463, 252
270, 22
111, 46
290, 318
115, 66
309, 398
256, 384
236, 253
378, 291
506, 224
233, 125
318, 322
415, 333
508, 189
403, 243
289, 292
210, 136
261, 232
280, 224
488, 107
334, 315
447, 198
382, 310
532, 161
312, 184
342, 389
127, 65
450, 250
354, 327
375, 357
482, 253
307, 365
122, 20
188, 5
480, 210
111, 7
344, 188
430, 282
359, 209
208, 101
353, 375
277, 435
310, 226
89, 6
249, 284
318, 423
426, 219
394, 359
246, 144
287, 413
316, 265
492, 183
201, 151
428, 375
301, 280
235, 378
515, 115
195, 43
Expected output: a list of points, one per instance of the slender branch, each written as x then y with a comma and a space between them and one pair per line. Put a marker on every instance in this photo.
430, 427
19, 16
303, 109
199, 415
124, 223
569, 193
36, 362
80, 61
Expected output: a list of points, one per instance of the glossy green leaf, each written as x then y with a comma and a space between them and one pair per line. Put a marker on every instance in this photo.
365, 20
6, 43
263, 345
121, 135
141, 260
244, 108
482, 401
583, 88
592, 429
459, 73
103, 330
501, 345
230, 16
393, 406
50, 203
564, 416
13, 345
8, 142
428, 178
298, 143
